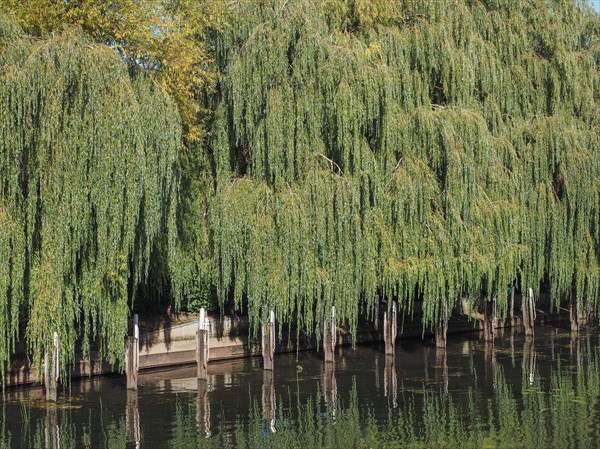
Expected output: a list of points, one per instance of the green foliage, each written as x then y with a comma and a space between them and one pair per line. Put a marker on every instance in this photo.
423, 150
427, 150
165, 37
87, 185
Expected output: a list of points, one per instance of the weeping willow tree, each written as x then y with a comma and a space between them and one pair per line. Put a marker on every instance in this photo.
87, 185
426, 150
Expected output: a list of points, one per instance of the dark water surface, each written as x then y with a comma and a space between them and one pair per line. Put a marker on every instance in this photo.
537, 393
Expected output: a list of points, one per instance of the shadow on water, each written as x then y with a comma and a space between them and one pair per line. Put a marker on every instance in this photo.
514, 391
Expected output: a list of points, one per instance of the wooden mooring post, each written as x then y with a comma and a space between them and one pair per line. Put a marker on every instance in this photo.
512, 305
578, 318
488, 320
376, 314
132, 355
441, 329
51, 371
390, 329
528, 309
268, 341
202, 345
329, 337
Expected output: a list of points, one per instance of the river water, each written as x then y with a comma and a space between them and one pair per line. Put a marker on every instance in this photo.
516, 392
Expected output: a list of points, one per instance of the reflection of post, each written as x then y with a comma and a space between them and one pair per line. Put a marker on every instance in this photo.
268, 341
529, 359
202, 346
441, 357
512, 347
51, 371
132, 355
203, 409
390, 380
51, 431
490, 359
390, 328
576, 350
377, 371
426, 362
268, 399
489, 352
330, 388
329, 337
132, 418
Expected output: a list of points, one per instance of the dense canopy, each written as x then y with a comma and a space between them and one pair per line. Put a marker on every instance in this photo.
425, 150
87, 185
162, 36
420, 150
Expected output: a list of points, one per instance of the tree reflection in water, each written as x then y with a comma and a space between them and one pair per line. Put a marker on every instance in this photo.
556, 408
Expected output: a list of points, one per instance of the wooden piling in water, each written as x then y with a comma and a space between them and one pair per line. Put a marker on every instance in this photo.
441, 330
329, 337
51, 371
577, 317
512, 305
268, 341
376, 314
202, 346
528, 308
132, 355
390, 329
488, 328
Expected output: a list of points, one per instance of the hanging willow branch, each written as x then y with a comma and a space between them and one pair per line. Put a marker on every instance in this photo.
87, 183
492, 109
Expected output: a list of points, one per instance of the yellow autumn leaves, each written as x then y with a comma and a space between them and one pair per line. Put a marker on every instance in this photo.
161, 36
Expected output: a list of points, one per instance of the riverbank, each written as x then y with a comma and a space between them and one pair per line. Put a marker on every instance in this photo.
229, 339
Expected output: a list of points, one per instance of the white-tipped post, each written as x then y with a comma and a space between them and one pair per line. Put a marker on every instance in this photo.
51, 371
268, 341
202, 346
329, 337
132, 355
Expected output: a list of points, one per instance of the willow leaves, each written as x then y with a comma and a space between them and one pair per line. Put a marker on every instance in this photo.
427, 150
87, 178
